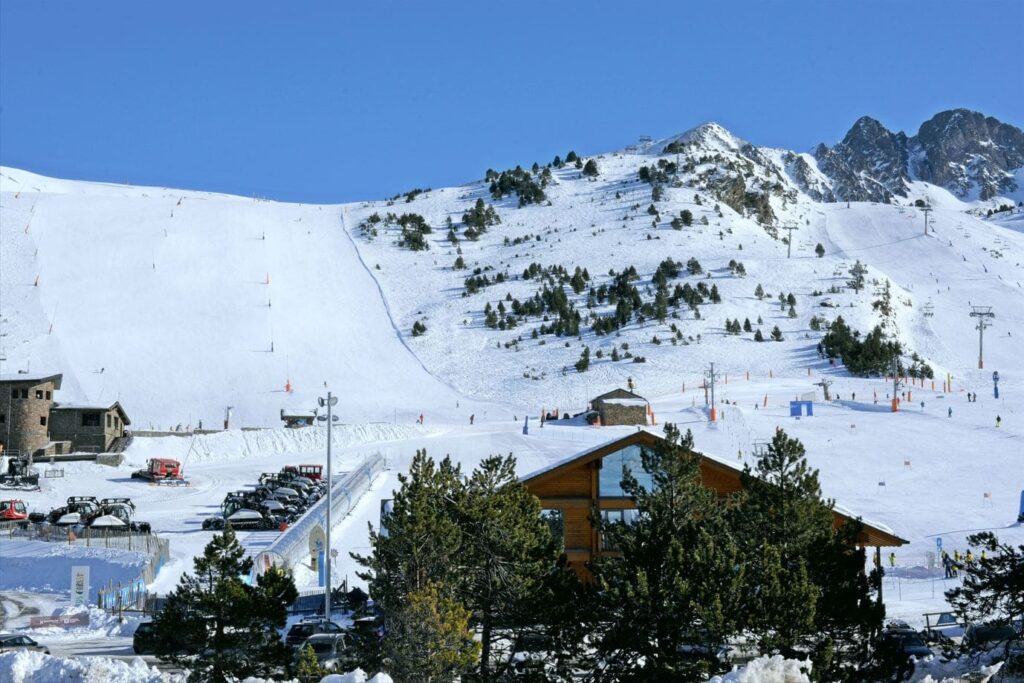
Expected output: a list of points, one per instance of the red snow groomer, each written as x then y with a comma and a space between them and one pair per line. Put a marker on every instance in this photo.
162, 471
13, 511
314, 472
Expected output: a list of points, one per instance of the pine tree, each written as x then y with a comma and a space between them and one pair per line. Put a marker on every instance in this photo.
508, 557
993, 588
308, 669
746, 325
776, 334
758, 337
229, 629
584, 362
715, 297
759, 292
819, 250
430, 638
590, 168
687, 217
679, 567
482, 542
813, 591
857, 273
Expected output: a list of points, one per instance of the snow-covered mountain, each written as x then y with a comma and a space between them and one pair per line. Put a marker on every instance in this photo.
182, 303
965, 152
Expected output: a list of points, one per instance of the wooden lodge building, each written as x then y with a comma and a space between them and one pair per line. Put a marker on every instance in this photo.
587, 483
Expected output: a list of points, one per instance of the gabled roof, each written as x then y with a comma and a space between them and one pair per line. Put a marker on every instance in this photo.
32, 378
870, 535
296, 413
619, 393
95, 406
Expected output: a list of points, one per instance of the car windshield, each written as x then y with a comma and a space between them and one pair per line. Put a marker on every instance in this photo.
322, 647
302, 629
910, 638
5, 506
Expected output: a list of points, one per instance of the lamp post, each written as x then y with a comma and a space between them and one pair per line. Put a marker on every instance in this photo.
329, 418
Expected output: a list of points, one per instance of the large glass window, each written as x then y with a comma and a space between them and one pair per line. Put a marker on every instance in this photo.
613, 467
90, 419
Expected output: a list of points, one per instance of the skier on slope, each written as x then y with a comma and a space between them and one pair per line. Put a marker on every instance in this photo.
949, 411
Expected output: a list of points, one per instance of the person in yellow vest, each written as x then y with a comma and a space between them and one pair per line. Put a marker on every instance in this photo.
983, 556
970, 558
892, 560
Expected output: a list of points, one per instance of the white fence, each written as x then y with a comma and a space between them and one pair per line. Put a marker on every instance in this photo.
293, 544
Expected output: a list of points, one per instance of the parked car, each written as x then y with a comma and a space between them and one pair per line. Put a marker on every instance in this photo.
144, 640
997, 636
904, 645
328, 648
299, 632
15, 642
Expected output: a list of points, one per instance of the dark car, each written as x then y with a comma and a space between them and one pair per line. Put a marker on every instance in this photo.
299, 632
997, 636
144, 640
15, 642
907, 641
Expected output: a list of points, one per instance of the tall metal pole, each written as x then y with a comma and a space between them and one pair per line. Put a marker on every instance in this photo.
327, 554
329, 402
789, 242
926, 210
983, 314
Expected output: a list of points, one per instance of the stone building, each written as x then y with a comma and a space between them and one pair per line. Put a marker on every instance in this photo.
620, 407
88, 427
25, 402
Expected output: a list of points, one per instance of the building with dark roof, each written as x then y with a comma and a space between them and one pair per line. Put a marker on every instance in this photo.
90, 428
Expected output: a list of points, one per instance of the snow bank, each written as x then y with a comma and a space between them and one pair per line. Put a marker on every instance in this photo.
238, 444
357, 676
40, 566
769, 670
101, 624
936, 670
35, 667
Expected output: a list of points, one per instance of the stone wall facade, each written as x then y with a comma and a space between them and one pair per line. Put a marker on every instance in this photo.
25, 410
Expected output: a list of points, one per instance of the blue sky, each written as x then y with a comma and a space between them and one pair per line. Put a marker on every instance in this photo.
340, 101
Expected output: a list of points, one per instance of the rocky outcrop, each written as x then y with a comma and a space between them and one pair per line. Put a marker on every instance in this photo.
870, 164
968, 153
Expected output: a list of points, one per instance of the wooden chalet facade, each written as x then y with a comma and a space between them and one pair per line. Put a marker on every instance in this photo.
577, 489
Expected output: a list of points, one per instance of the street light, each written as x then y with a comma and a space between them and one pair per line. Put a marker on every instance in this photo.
329, 418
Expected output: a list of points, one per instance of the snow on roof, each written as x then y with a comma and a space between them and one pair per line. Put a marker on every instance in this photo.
30, 377
625, 401
71, 405
83, 406
297, 413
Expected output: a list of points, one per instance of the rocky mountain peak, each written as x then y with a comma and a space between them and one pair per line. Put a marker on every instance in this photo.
968, 153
